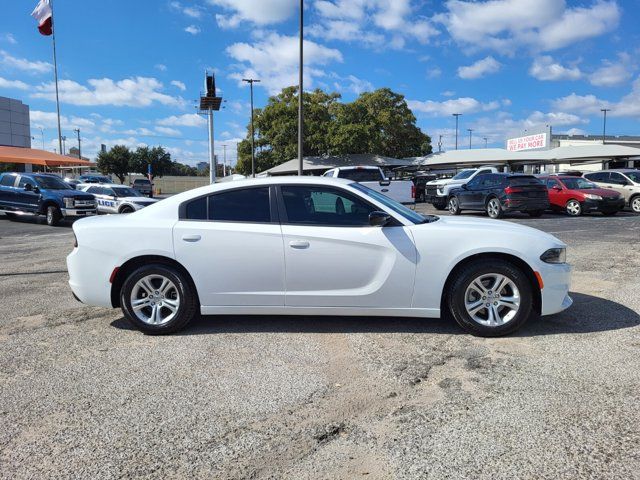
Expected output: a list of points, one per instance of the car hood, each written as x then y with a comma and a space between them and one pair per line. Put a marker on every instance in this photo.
139, 199
469, 225
70, 193
439, 182
603, 192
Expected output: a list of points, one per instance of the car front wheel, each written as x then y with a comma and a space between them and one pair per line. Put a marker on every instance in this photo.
490, 298
158, 299
454, 206
635, 204
573, 208
53, 215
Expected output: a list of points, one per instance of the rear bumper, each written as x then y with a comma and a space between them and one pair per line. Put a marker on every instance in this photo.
511, 204
89, 273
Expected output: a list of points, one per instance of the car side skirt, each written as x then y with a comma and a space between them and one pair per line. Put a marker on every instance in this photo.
336, 311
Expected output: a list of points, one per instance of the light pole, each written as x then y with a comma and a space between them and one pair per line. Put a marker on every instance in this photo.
64, 144
77, 130
300, 95
251, 81
456, 115
469, 130
440, 143
485, 141
224, 159
42, 133
604, 123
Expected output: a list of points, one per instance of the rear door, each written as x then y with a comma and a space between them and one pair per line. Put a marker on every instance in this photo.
334, 258
231, 244
619, 183
7, 192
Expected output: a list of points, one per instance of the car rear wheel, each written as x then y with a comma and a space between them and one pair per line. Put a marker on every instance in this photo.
453, 206
53, 215
494, 209
635, 204
158, 299
573, 208
126, 209
490, 298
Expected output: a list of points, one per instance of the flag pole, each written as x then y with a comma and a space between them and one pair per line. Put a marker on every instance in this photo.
55, 74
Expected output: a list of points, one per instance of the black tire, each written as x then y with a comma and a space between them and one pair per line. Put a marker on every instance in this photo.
188, 307
573, 208
421, 198
492, 212
453, 205
440, 204
455, 297
126, 209
535, 213
53, 215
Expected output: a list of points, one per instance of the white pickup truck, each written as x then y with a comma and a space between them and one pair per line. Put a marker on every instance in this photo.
403, 191
437, 191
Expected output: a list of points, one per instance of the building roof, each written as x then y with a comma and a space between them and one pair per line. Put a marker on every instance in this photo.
316, 164
500, 156
37, 157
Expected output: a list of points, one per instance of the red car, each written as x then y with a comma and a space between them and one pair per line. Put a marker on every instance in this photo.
576, 195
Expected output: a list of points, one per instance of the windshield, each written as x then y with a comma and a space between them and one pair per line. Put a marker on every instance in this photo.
51, 183
361, 175
634, 176
464, 174
96, 178
125, 192
578, 183
393, 205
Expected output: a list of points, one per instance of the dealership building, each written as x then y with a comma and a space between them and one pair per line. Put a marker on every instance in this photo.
15, 128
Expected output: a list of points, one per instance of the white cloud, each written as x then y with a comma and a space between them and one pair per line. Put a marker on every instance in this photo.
553, 118
193, 29
464, 105
480, 68
13, 84
274, 60
263, 12
627, 106
130, 92
185, 120
504, 25
9, 38
23, 64
161, 67
611, 74
353, 84
434, 72
545, 68
448, 93
179, 85
172, 132
40, 119
192, 11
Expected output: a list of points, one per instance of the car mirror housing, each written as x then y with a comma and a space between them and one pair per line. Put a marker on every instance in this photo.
28, 187
464, 186
379, 219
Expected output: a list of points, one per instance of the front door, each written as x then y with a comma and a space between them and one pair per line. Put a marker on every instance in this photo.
334, 258
27, 199
232, 246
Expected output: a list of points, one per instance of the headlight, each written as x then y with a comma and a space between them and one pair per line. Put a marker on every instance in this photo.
591, 196
554, 255
68, 202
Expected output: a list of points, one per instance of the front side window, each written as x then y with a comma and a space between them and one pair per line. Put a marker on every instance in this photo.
617, 178
125, 192
242, 205
322, 206
24, 180
464, 174
634, 176
578, 183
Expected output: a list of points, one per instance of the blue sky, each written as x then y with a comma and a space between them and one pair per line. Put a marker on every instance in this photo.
131, 71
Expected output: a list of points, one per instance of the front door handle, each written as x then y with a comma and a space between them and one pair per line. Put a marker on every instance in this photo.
299, 244
191, 238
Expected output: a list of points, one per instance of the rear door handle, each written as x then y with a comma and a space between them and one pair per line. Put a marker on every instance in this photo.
300, 244
191, 238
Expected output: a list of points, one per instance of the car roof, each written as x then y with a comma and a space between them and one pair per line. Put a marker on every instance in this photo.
102, 185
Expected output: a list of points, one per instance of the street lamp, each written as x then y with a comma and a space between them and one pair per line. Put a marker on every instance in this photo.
485, 141
440, 143
251, 81
300, 96
64, 144
456, 115
469, 130
604, 123
77, 130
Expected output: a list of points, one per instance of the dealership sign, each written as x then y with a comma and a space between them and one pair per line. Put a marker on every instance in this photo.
530, 142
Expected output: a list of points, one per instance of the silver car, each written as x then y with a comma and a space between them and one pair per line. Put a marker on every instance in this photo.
626, 181
114, 198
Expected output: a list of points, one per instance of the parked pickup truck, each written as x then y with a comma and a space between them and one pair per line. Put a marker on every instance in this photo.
403, 191
43, 194
437, 191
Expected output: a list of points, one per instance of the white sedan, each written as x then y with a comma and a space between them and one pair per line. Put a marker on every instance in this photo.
313, 246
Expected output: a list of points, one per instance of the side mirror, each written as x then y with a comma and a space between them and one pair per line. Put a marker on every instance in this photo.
385, 183
464, 186
379, 219
557, 187
28, 187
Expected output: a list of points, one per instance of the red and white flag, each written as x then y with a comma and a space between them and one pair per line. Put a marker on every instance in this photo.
43, 14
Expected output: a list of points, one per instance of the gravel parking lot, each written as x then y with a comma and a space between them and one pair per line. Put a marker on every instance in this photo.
84, 396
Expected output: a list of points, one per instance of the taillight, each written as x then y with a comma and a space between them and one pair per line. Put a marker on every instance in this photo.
510, 190
413, 191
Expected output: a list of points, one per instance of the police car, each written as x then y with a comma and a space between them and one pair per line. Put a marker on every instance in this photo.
115, 198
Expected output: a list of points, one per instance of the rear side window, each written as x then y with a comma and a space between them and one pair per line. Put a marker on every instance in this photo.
197, 209
8, 180
524, 181
363, 175
598, 177
243, 205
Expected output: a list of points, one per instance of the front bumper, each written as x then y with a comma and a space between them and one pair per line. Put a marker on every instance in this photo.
603, 205
557, 283
78, 212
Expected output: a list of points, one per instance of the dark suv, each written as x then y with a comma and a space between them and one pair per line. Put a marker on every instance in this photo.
497, 193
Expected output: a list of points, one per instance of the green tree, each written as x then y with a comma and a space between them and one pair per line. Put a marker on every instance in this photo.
116, 161
157, 157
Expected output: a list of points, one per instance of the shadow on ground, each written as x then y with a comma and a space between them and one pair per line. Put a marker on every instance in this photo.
587, 315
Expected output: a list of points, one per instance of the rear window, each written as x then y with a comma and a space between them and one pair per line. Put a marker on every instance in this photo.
524, 181
360, 175
8, 180
143, 182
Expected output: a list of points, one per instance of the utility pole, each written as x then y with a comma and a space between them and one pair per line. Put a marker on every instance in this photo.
64, 144
604, 124
485, 141
42, 133
224, 159
251, 81
300, 96
440, 143
456, 115
77, 130
469, 130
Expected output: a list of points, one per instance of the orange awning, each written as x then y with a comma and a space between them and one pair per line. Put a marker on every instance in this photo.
38, 157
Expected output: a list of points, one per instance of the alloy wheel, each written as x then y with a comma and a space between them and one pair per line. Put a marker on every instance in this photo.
492, 299
155, 299
493, 208
635, 205
453, 205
